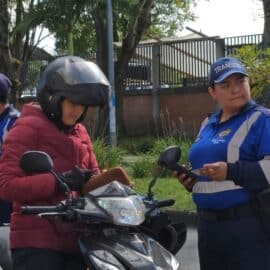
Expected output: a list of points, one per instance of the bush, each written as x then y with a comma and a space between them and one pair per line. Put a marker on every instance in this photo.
137, 145
257, 62
106, 155
143, 166
161, 144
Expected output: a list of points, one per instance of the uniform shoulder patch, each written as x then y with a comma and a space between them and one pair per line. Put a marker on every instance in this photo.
225, 132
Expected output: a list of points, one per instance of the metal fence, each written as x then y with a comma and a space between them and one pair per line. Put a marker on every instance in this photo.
186, 63
165, 64
232, 43
180, 63
30, 74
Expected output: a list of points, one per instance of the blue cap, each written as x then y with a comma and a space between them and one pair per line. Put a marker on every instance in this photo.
5, 85
225, 67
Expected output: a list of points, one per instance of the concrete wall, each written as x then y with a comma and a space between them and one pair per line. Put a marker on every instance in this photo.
180, 110
177, 111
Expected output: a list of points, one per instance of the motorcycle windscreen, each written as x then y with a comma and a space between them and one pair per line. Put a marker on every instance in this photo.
112, 189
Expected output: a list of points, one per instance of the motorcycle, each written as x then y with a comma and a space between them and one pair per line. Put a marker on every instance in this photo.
119, 229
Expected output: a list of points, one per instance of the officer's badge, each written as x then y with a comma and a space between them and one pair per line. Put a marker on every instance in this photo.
225, 132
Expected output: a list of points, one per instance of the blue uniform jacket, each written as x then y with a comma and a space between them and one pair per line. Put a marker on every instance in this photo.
7, 119
243, 141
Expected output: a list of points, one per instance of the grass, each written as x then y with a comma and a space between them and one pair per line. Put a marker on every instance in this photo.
167, 188
138, 157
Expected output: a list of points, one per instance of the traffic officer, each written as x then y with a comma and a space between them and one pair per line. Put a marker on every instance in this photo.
232, 156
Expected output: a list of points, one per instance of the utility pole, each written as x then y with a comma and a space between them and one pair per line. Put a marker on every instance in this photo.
111, 74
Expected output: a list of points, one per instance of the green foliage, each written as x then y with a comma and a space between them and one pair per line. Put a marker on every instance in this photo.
82, 17
150, 146
162, 143
257, 62
168, 17
65, 20
106, 155
141, 170
143, 166
136, 145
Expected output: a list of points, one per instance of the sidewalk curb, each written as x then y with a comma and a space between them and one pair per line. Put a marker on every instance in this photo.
188, 217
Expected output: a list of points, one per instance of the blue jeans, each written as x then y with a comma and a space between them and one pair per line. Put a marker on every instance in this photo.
44, 259
239, 244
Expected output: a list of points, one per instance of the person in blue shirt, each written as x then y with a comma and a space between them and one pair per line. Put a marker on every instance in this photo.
8, 115
232, 157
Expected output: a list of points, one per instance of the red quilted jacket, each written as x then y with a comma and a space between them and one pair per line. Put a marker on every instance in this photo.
34, 131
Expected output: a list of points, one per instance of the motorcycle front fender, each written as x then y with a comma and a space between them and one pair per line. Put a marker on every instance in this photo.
126, 251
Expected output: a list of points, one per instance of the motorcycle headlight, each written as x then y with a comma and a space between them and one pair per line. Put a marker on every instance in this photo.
124, 210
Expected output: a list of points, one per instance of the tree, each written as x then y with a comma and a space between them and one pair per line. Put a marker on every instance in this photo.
257, 62
77, 23
266, 31
132, 22
8, 64
18, 37
64, 19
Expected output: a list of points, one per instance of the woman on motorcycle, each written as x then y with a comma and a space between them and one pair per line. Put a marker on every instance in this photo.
68, 86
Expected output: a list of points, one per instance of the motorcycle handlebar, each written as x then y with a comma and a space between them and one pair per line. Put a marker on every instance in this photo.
165, 203
30, 210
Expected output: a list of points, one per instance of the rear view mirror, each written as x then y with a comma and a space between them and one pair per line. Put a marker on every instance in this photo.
169, 157
36, 162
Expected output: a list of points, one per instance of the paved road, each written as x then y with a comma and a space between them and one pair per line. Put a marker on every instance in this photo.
188, 255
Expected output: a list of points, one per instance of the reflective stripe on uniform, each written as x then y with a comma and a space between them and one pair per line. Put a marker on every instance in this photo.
239, 136
214, 186
237, 140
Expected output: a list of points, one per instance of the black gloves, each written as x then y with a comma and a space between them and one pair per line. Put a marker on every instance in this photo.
74, 179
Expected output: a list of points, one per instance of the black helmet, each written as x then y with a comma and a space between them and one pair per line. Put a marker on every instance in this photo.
74, 78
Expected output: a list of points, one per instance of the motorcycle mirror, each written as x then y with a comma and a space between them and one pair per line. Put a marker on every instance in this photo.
36, 162
158, 170
169, 157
